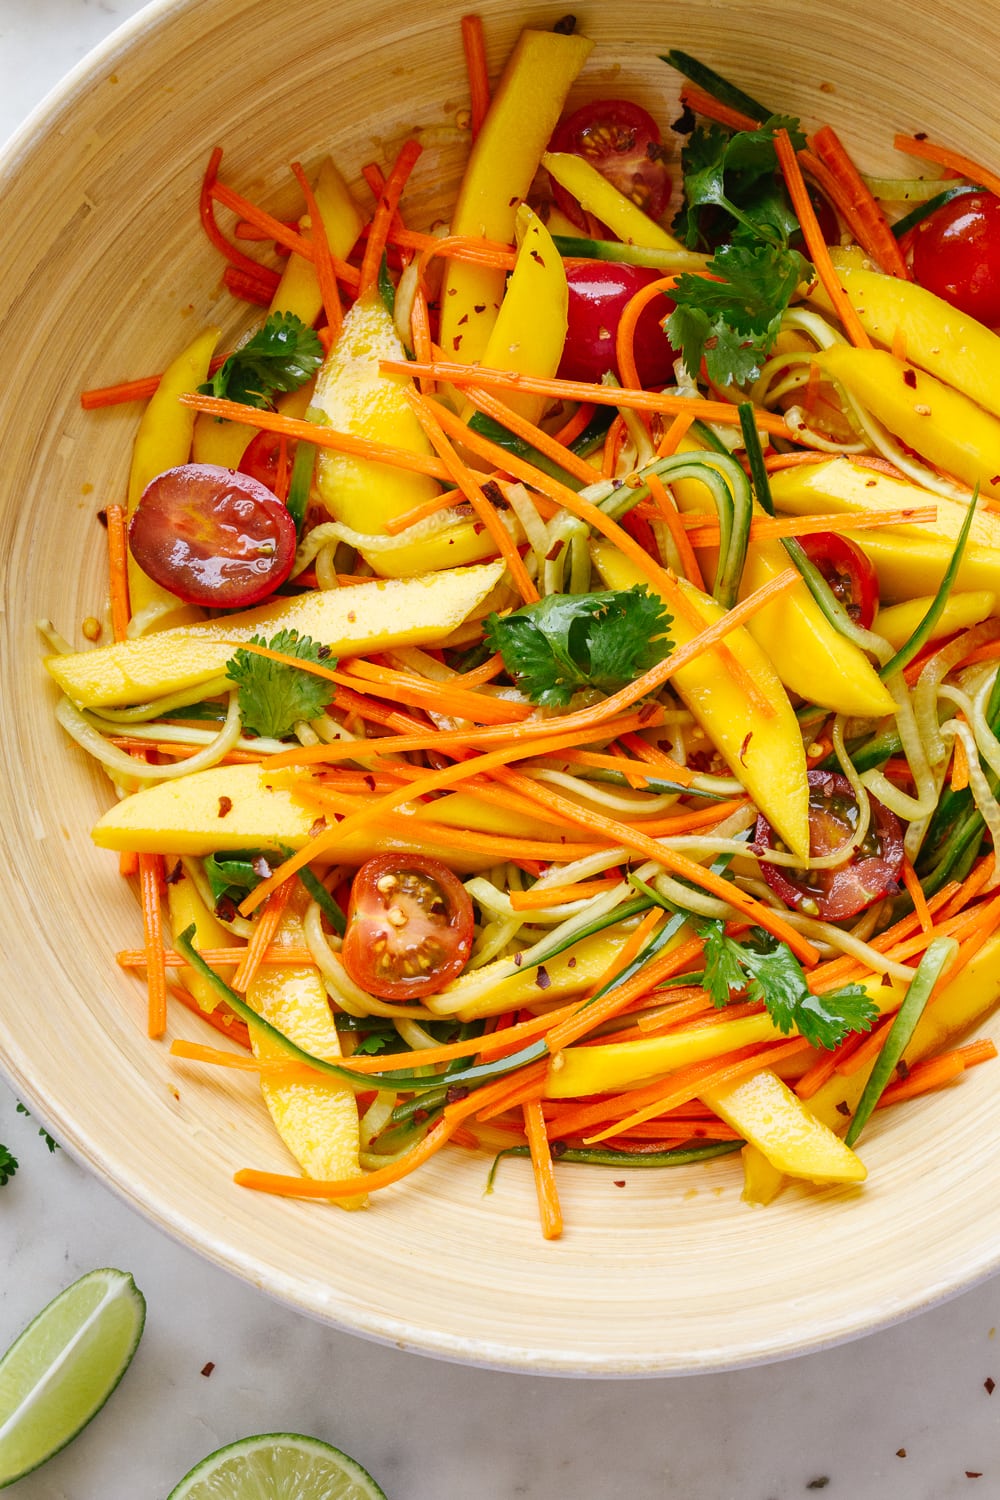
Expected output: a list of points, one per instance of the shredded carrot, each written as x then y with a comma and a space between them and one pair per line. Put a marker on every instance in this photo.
630, 949
443, 501
815, 243
388, 203
209, 189
675, 434
959, 766
935, 1072
826, 1065
539, 898
117, 517
577, 424
954, 161
128, 865
654, 756
522, 428
288, 1066
257, 290
674, 522
420, 332
323, 260
915, 891
614, 442
579, 390
150, 875
474, 46
263, 936
421, 692
549, 1210
221, 1019
701, 103
704, 531
217, 958
311, 432
625, 336
879, 239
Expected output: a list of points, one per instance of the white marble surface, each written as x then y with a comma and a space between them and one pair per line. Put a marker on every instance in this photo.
906, 1414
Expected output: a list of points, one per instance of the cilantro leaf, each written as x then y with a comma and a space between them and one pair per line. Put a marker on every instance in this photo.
232, 876
767, 970
736, 173
280, 356
8, 1166
570, 641
275, 696
734, 321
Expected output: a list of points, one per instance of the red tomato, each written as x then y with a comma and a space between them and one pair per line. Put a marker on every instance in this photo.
623, 142
409, 927
872, 872
598, 293
849, 572
212, 536
956, 254
262, 458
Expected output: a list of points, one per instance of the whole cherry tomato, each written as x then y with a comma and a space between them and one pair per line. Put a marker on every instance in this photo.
262, 458
409, 927
956, 254
212, 536
623, 142
598, 293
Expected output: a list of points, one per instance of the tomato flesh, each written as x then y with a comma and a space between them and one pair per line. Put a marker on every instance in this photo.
599, 291
873, 871
212, 536
409, 927
623, 142
262, 459
849, 572
956, 255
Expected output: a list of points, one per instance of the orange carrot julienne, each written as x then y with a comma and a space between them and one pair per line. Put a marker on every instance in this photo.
959, 766
818, 252
492, 1044
322, 258
311, 432
704, 532
935, 1072
879, 239
704, 104
443, 501
128, 865
117, 518
632, 946
577, 424
625, 336
150, 872
474, 47
915, 891
217, 958
258, 290
540, 898
208, 192
654, 756
197, 1052
614, 442
420, 331
388, 203
670, 515
522, 428
220, 1019
580, 390
675, 434
954, 161
263, 935
445, 697
549, 1210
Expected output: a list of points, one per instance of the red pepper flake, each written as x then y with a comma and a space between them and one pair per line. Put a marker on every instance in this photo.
479, 307
206, 1370
571, 963
494, 493
910, 379
820, 1483
315, 829
921, 135
370, 782
102, 517
745, 746
517, 960
456, 341
542, 978
618, 1182
900, 1452
843, 1108
225, 806
463, 319
995, 479
870, 484
973, 1473
536, 257
989, 1385
172, 876
555, 549
512, 201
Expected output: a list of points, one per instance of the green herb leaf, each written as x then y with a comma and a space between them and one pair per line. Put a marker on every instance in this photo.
733, 322
737, 173
280, 356
8, 1166
232, 876
570, 641
767, 970
275, 696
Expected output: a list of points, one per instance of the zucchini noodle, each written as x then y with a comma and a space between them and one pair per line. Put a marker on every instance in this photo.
124, 765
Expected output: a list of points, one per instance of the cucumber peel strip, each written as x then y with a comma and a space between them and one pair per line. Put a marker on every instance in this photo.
939, 954
921, 635
679, 1156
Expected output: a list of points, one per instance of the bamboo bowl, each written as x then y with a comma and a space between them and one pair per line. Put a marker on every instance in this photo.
103, 268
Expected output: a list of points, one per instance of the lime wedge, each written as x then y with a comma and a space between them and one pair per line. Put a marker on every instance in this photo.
277, 1466
60, 1371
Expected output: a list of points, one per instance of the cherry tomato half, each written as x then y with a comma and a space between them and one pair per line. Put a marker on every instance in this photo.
212, 536
409, 927
262, 458
623, 142
598, 293
872, 871
849, 572
956, 254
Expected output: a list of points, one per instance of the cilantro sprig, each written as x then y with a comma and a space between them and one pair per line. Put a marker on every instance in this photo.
764, 969
8, 1165
566, 642
274, 695
280, 356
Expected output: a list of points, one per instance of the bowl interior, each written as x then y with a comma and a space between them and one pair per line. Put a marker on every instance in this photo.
105, 274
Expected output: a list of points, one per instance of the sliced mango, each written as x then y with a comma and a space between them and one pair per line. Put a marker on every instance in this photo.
596, 195
897, 622
936, 336
318, 1119
764, 751
935, 420
523, 113
766, 1112
188, 909
248, 807
351, 621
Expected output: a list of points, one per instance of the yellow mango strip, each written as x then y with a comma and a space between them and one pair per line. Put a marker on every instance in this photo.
523, 113
764, 752
940, 423
596, 195
937, 337
316, 1118
498, 987
162, 442
186, 908
762, 1182
530, 329
766, 1113
356, 621
897, 622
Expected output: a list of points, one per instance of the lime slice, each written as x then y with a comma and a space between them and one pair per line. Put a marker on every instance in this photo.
64, 1366
277, 1466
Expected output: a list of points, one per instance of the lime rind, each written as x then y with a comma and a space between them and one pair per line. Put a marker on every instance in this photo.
277, 1466
59, 1372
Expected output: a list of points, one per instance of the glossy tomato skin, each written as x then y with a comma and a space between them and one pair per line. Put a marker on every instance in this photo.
212, 536
599, 291
623, 142
262, 458
871, 873
409, 927
849, 572
956, 254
